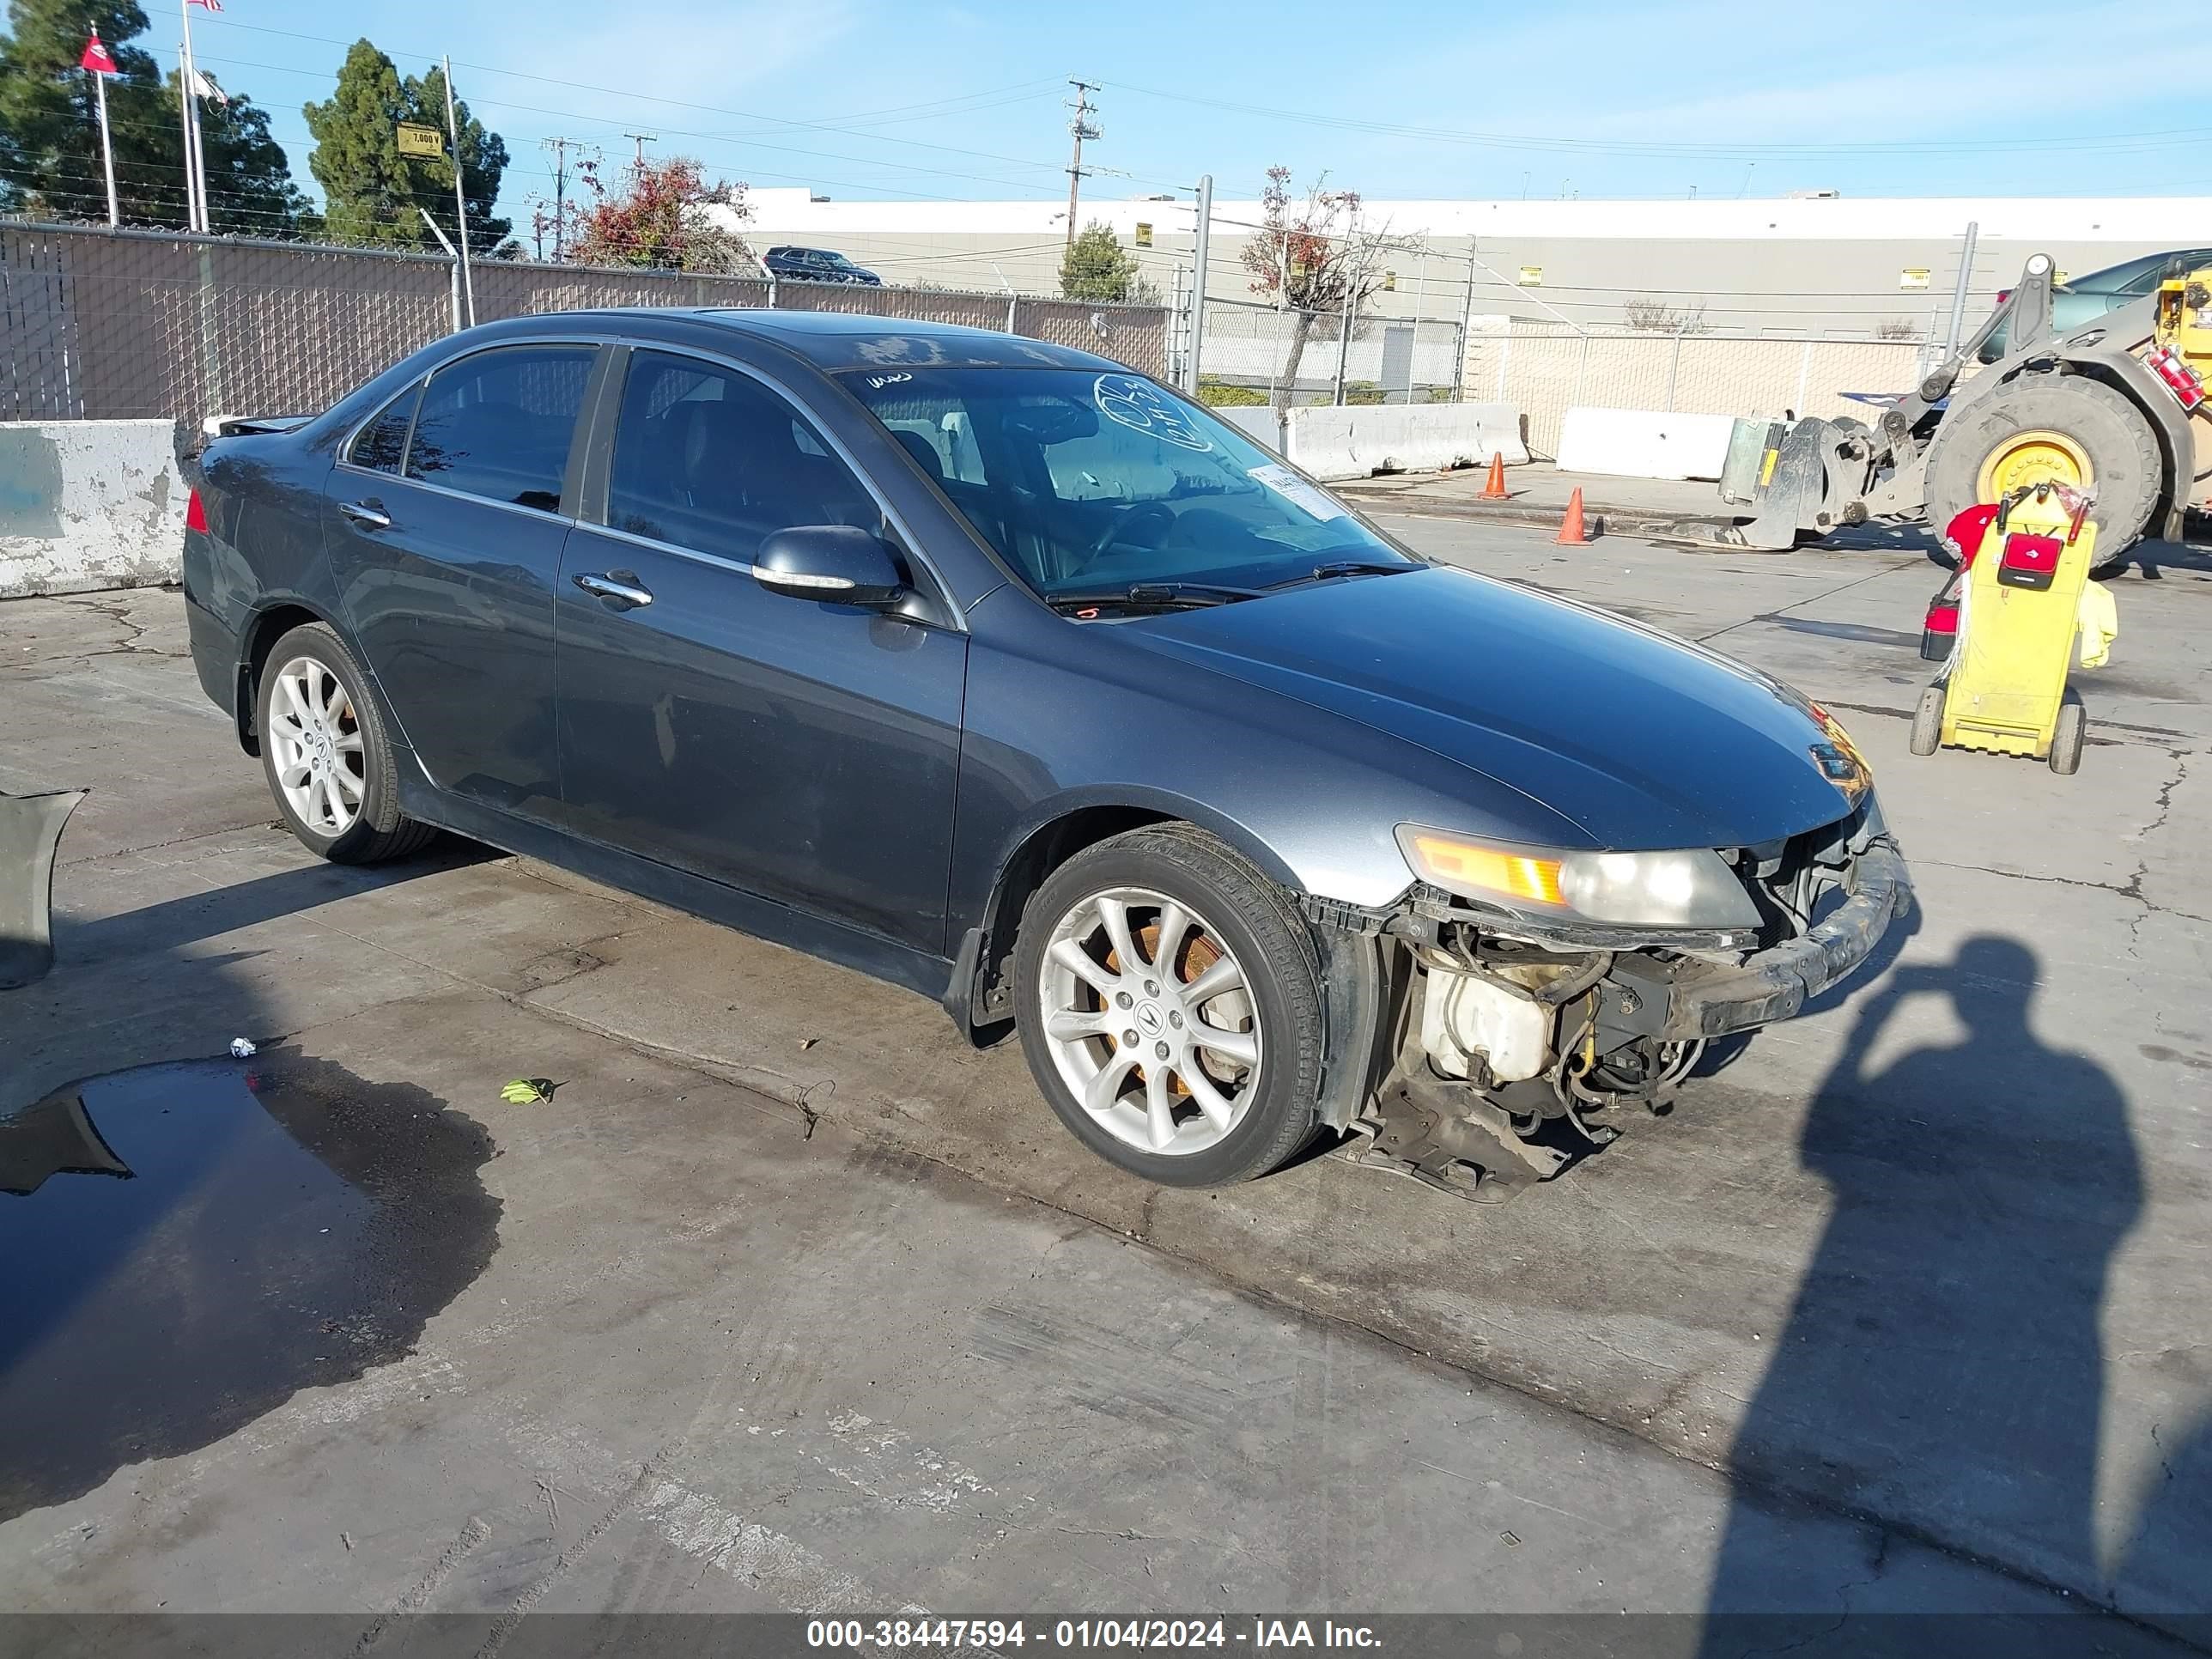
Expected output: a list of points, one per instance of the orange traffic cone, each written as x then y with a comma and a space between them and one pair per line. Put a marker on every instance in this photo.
1493, 486
1570, 527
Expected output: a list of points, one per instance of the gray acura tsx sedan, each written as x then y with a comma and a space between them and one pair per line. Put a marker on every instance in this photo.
997, 671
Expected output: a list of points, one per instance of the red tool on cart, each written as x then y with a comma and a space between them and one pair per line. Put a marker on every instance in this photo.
1939, 632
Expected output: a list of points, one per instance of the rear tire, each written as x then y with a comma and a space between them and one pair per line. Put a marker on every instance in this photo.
1928, 722
1221, 1119
354, 816
2125, 466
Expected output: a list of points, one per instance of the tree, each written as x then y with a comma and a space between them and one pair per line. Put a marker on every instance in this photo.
1314, 258
666, 215
1096, 266
376, 196
50, 159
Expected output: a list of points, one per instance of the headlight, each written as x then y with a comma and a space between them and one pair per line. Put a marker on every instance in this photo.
1694, 888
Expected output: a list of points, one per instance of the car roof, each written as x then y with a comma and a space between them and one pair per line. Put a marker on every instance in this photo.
839, 339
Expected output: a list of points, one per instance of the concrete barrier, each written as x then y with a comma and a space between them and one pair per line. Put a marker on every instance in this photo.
88, 504
1641, 443
1358, 440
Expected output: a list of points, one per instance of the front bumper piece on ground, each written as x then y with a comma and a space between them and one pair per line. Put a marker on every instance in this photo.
1713, 1001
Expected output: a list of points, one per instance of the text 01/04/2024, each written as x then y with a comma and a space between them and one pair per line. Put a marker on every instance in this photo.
1082, 1633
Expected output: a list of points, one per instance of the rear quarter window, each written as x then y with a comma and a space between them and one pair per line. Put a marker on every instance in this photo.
381, 445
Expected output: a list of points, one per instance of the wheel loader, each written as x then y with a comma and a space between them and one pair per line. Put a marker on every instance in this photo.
2116, 406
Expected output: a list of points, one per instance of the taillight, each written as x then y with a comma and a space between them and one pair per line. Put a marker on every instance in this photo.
2003, 294
195, 515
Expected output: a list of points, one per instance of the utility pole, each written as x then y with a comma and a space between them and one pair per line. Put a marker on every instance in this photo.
1959, 289
559, 148
1081, 126
640, 139
460, 192
1200, 243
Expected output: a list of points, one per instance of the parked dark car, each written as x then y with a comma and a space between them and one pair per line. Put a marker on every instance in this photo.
999, 671
2080, 301
817, 265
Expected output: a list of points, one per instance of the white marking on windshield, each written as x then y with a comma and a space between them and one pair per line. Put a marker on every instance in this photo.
1131, 401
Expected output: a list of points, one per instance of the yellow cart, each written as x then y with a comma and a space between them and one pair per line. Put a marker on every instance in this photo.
2003, 689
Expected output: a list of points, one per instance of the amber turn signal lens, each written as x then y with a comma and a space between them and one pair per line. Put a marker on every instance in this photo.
1515, 875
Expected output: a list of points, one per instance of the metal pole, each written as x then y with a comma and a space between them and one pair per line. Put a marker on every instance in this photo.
1202, 243
1343, 339
460, 192
107, 148
199, 145
1958, 289
184, 115
445, 242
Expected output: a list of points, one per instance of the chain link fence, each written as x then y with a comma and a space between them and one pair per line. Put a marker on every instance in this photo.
1246, 356
1543, 369
109, 324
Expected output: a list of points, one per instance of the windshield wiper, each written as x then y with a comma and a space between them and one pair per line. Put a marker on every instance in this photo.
1352, 567
1166, 596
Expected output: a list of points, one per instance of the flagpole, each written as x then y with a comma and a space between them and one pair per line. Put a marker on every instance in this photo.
184, 116
460, 193
198, 160
107, 145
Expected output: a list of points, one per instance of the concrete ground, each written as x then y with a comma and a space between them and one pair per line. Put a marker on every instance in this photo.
1538, 491
787, 1299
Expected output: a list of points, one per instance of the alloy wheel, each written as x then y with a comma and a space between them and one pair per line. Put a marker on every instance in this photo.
1149, 1021
316, 743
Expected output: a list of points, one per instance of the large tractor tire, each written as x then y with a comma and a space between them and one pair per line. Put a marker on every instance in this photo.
2065, 427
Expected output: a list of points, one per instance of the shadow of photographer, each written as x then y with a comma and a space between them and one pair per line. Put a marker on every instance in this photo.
1943, 1358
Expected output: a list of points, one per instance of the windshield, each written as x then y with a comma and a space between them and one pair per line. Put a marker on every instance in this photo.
1089, 481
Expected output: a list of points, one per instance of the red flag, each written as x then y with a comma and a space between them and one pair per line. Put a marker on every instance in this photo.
96, 57
212, 5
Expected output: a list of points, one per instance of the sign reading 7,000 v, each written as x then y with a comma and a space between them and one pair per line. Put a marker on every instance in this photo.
420, 141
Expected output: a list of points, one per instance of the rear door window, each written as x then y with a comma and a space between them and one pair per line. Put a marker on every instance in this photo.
499, 423
710, 460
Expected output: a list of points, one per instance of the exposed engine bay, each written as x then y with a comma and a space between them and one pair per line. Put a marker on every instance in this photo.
1509, 1046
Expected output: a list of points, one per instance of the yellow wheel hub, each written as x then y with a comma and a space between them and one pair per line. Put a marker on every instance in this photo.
2033, 458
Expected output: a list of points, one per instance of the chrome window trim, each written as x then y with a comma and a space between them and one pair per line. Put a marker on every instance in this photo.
942, 593
537, 513
737, 566
659, 546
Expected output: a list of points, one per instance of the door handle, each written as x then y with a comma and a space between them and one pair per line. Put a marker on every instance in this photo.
628, 593
367, 515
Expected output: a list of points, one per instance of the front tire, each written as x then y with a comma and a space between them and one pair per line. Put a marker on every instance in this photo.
1169, 1001
2068, 428
327, 754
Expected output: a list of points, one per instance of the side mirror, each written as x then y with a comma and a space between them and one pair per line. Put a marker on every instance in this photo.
839, 563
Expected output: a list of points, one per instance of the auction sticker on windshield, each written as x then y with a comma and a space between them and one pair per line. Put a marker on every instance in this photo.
1295, 491
1131, 401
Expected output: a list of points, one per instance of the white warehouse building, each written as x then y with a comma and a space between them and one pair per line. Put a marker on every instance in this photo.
1832, 265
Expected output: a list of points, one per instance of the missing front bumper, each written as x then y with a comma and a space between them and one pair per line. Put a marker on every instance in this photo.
1714, 1000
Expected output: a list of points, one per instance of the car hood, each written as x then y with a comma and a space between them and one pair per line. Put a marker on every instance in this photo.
1641, 740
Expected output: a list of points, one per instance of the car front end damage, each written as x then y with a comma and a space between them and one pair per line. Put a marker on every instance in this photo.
1520, 1002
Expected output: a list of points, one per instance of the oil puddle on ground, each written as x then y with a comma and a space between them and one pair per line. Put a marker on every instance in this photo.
182, 1247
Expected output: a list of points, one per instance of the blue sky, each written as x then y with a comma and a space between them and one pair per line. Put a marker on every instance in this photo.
908, 99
